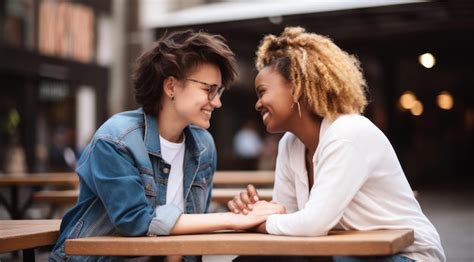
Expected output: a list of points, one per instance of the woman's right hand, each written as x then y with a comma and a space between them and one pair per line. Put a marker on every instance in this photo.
243, 202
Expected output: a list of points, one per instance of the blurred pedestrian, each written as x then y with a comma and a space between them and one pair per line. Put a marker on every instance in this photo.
247, 146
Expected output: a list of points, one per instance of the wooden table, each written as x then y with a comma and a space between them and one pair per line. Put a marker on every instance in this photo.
14, 182
26, 235
361, 243
243, 178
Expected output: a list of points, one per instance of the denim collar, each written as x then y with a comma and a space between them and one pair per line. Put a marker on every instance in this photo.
152, 138
194, 145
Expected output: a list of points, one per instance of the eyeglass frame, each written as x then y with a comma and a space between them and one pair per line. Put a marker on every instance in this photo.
210, 95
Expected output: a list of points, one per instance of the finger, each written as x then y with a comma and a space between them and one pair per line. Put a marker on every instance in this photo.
240, 204
233, 207
246, 199
252, 192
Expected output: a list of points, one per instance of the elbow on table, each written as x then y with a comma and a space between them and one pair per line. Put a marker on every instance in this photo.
131, 228
313, 224
313, 232
301, 227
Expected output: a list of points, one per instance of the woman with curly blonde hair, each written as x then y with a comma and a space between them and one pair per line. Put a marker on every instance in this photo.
335, 169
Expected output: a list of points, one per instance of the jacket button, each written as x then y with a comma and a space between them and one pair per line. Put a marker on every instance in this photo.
166, 170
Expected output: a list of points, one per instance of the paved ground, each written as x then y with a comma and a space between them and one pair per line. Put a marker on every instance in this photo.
452, 213
450, 209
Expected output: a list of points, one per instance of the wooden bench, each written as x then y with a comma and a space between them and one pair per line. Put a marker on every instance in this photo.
223, 195
26, 235
243, 178
40, 179
357, 243
15, 181
235, 181
69, 197
56, 197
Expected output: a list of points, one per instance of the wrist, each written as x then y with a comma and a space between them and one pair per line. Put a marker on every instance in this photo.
229, 220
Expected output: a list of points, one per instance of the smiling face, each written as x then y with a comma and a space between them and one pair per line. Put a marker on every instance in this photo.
191, 98
275, 102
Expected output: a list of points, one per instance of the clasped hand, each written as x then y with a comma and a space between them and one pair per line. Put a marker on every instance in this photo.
250, 211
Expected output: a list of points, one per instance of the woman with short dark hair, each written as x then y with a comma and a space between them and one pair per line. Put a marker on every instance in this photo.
149, 171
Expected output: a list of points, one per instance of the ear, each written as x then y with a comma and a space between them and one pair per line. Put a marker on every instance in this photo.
169, 85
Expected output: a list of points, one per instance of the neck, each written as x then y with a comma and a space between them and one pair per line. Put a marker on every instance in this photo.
170, 128
307, 130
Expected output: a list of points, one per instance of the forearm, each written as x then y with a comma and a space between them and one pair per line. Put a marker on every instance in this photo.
202, 223
262, 228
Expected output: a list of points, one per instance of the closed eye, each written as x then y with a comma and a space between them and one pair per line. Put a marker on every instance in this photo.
259, 90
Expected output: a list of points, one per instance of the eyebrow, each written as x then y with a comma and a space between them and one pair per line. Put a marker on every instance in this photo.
257, 88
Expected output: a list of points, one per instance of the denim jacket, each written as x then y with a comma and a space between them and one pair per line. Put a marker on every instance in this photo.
123, 181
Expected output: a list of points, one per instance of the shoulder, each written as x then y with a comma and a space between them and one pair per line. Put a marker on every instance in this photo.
120, 125
353, 121
351, 127
357, 131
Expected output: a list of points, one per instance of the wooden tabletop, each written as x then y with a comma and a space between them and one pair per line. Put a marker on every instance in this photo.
233, 178
37, 179
367, 243
25, 234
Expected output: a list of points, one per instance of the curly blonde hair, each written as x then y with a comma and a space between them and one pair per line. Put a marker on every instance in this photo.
328, 79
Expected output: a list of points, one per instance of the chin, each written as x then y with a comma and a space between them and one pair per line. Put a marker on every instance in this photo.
204, 124
274, 130
270, 129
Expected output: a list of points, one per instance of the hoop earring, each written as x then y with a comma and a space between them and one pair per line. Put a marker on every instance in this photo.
299, 108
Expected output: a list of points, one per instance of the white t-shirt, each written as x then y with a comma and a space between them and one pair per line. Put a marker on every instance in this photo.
358, 185
173, 154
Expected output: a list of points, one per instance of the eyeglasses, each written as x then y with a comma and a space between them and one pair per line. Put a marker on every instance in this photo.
212, 91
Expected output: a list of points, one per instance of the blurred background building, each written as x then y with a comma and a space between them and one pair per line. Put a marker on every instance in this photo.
65, 68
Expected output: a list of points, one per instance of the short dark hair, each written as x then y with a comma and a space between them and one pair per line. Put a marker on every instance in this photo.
176, 54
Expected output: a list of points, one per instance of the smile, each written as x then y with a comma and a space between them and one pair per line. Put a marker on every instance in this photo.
265, 116
207, 112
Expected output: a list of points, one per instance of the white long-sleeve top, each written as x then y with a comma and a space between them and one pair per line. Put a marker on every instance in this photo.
358, 185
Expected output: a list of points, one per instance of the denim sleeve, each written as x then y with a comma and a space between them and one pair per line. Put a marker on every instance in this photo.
110, 172
164, 220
